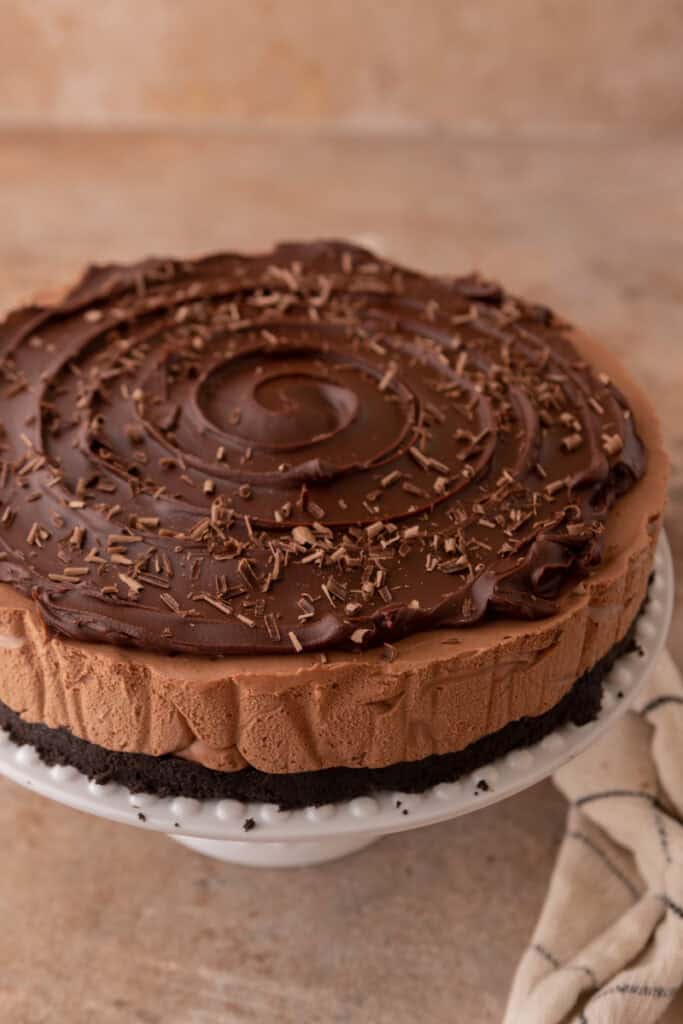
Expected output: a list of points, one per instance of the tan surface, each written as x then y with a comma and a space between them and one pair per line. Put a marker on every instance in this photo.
531, 66
103, 922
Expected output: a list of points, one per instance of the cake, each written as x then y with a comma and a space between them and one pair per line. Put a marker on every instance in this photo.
300, 526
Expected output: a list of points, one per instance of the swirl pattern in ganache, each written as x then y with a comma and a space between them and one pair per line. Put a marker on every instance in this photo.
306, 450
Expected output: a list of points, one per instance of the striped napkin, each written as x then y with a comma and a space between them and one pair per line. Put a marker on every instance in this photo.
608, 947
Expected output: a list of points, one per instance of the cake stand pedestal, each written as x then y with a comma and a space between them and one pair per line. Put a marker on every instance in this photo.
260, 835
293, 854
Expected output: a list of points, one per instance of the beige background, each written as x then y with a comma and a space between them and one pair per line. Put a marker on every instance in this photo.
540, 141
529, 67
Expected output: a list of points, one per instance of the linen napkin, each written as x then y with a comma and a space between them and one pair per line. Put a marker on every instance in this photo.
608, 947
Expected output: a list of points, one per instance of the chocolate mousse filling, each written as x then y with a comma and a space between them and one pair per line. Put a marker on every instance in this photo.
173, 776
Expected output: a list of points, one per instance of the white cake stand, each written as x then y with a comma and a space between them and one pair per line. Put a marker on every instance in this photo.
317, 834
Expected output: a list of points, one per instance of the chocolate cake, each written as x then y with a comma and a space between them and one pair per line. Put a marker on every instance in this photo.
302, 525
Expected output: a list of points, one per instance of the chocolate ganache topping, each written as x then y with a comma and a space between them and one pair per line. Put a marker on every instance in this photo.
310, 449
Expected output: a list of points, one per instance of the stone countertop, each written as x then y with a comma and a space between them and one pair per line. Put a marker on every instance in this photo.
102, 922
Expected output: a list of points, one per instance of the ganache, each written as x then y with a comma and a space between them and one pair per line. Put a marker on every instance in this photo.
305, 450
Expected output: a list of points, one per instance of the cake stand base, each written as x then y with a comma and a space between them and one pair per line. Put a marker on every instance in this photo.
278, 855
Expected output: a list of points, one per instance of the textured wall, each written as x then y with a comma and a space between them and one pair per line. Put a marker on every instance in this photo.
537, 66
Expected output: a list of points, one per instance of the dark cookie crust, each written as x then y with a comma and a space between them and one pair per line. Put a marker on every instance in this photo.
173, 776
